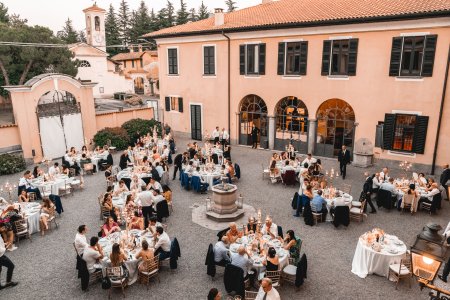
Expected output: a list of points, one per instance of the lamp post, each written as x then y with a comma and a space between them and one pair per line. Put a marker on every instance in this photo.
427, 254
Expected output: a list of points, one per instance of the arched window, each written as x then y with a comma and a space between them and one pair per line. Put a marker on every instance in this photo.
253, 111
97, 23
291, 123
84, 64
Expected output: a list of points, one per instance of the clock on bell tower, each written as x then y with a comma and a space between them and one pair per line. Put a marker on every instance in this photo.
95, 26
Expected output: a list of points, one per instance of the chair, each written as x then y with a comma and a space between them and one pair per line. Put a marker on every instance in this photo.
77, 183
265, 171
151, 269
88, 169
162, 210
407, 201
289, 177
341, 216
384, 199
274, 178
357, 213
65, 190
106, 213
280, 231
52, 219
198, 186
401, 270
435, 204
115, 274
46, 191
21, 230
346, 188
274, 276
288, 273
249, 295
317, 217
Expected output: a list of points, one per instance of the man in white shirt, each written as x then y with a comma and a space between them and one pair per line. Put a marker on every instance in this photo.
434, 191
384, 175
92, 255
225, 137
308, 160
162, 244
25, 184
146, 200
242, 259
221, 250
54, 170
287, 167
376, 183
165, 153
267, 291
215, 135
159, 169
195, 161
81, 240
270, 228
8, 264
154, 185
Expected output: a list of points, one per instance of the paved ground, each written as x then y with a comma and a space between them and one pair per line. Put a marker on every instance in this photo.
45, 268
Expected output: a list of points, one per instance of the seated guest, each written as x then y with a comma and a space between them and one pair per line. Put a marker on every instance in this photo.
155, 155
189, 168
120, 188
23, 197
195, 161
292, 243
335, 203
389, 186
84, 150
221, 250
108, 205
267, 291
37, 172
308, 160
146, 254
242, 259
65, 171
130, 206
47, 209
274, 171
70, 159
272, 261
153, 224
431, 192
231, 170
92, 255
109, 227
318, 204
411, 197
251, 226
7, 219
214, 294
233, 234
137, 183
154, 185
108, 173
118, 259
124, 160
25, 183
80, 240
422, 180
165, 153
54, 170
84, 160
137, 222
429, 184
167, 193
162, 243
270, 228
287, 167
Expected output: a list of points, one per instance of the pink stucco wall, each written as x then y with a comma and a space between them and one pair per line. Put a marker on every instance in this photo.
9, 136
116, 119
371, 93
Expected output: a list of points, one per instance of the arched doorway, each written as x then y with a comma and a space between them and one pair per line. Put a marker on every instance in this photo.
291, 124
253, 110
335, 127
60, 124
139, 85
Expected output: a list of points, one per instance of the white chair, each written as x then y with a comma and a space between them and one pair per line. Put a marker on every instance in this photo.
266, 171
21, 229
65, 190
357, 213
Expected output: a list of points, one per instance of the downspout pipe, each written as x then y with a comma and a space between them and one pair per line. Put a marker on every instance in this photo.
441, 111
229, 83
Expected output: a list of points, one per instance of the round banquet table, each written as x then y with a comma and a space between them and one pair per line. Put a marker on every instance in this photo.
131, 263
209, 177
368, 261
32, 212
52, 185
330, 202
257, 259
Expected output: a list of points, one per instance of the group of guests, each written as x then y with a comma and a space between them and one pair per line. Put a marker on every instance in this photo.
265, 292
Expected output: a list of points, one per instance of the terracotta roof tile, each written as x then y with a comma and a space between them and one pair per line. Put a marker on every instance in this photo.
127, 56
94, 8
304, 12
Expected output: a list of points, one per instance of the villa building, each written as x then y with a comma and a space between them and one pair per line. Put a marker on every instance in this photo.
319, 73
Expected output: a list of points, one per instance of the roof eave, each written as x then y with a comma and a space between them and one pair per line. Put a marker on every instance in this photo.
404, 17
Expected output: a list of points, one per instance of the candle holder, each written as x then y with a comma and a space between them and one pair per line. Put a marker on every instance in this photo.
405, 166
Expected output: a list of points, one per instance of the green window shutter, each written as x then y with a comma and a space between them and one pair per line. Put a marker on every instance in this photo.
242, 59
303, 57
428, 55
326, 55
281, 60
352, 57
388, 131
396, 55
167, 103
262, 59
420, 134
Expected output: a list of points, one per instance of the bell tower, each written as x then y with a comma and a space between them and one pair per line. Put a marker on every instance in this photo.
95, 26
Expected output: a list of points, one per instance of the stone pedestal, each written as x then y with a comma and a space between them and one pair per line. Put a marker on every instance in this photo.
224, 201
362, 160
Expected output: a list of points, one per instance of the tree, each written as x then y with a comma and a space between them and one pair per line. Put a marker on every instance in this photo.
182, 13
112, 31
203, 12
161, 19
124, 22
82, 36
231, 5
170, 11
4, 17
193, 15
68, 34
141, 22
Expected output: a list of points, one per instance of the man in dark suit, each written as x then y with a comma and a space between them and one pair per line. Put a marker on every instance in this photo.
178, 162
124, 160
445, 176
254, 134
367, 190
344, 159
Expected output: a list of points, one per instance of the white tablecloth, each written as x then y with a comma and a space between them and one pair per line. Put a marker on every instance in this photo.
32, 213
367, 261
53, 185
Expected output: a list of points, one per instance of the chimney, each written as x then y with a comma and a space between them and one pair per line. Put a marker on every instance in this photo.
131, 48
219, 17
139, 48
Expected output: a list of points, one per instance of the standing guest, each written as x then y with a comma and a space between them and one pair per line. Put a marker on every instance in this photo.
267, 291
344, 159
8, 264
167, 129
146, 199
124, 160
225, 137
216, 135
376, 182
367, 190
81, 240
445, 177
25, 183
221, 250
446, 270
254, 133
92, 255
162, 243
178, 163
214, 294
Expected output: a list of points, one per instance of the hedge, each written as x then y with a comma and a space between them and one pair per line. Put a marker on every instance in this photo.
139, 127
11, 164
118, 136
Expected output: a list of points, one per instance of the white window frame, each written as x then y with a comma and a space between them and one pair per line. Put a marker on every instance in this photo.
171, 108
203, 61
401, 77
178, 60
256, 74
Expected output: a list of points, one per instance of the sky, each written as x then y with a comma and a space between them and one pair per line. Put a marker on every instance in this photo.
53, 13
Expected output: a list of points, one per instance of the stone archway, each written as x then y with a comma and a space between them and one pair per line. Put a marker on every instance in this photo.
252, 111
25, 101
139, 86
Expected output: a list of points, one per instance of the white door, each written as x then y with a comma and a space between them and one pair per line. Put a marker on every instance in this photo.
52, 137
73, 130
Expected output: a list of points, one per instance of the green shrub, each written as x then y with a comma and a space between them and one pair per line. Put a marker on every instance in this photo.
139, 127
11, 164
118, 136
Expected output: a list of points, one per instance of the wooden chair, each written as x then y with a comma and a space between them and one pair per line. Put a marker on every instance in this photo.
21, 230
52, 219
274, 276
115, 274
46, 191
151, 269
249, 295
346, 188
401, 270
317, 217
407, 201
99, 200
357, 213
106, 213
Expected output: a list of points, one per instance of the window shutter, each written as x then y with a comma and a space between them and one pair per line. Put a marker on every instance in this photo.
388, 131
396, 55
180, 104
326, 58
428, 55
242, 59
379, 136
205, 61
352, 57
303, 57
262, 59
281, 60
167, 103
420, 134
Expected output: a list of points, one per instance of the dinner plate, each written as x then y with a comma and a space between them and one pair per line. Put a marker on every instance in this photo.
393, 251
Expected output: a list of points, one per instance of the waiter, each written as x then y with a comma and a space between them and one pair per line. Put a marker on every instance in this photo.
216, 135
254, 134
344, 160
8, 264
225, 137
